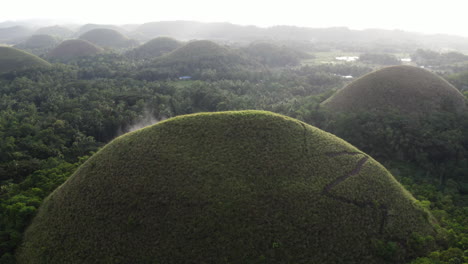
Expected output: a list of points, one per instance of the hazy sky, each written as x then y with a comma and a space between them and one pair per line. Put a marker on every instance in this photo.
429, 16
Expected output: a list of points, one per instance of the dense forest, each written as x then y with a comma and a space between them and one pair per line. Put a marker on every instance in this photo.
54, 117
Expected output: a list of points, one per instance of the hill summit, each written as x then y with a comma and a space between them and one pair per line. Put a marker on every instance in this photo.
108, 38
74, 48
227, 187
15, 59
408, 89
197, 57
154, 48
38, 44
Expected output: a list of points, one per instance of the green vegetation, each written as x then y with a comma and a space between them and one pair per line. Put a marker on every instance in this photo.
14, 59
379, 58
275, 56
108, 38
435, 59
239, 187
74, 48
154, 48
407, 89
19, 203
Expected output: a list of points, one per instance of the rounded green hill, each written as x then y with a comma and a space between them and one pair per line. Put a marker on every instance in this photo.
228, 187
15, 59
154, 48
108, 38
200, 55
407, 89
74, 48
38, 42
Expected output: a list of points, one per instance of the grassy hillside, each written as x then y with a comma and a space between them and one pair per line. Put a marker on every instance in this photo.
154, 48
38, 41
38, 44
15, 59
228, 187
404, 88
197, 57
88, 27
74, 48
108, 38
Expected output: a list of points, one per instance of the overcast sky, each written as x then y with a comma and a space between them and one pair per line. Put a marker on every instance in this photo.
429, 16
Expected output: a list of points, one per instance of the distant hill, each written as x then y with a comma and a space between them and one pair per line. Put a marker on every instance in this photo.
38, 44
375, 40
14, 35
14, 59
108, 38
197, 57
88, 27
57, 31
187, 30
228, 187
274, 55
154, 48
406, 89
74, 48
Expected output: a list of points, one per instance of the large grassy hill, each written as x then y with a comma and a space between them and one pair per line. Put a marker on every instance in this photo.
38, 41
198, 56
403, 88
88, 27
154, 48
74, 48
38, 44
108, 38
15, 59
228, 187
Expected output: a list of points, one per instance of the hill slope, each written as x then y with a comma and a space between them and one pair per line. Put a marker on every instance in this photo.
228, 187
154, 48
74, 48
88, 27
109, 38
38, 44
15, 59
198, 56
404, 88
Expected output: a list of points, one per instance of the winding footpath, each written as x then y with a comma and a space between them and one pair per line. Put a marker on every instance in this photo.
357, 169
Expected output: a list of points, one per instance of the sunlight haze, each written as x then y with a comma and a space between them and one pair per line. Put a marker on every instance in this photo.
418, 16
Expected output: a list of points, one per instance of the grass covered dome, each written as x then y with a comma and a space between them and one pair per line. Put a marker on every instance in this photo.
228, 187
108, 38
38, 42
408, 89
14, 59
74, 48
154, 48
